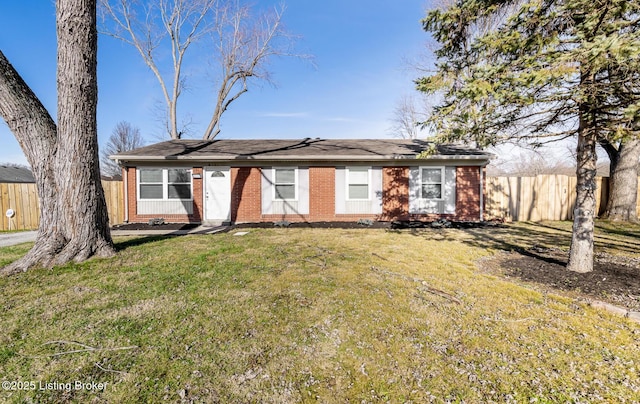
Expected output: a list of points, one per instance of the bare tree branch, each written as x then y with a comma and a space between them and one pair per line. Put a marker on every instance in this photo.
124, 137
408, 116
241, 42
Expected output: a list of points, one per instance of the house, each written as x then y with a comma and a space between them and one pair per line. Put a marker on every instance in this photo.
15, 174
309, 180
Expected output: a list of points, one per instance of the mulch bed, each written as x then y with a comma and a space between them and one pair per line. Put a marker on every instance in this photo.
317, 225
146, 226
615, 279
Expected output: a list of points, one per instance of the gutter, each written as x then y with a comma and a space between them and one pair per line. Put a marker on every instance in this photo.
481, 193
227, 159
125, 184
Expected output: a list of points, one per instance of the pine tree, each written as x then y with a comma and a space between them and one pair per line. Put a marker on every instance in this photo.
552, 70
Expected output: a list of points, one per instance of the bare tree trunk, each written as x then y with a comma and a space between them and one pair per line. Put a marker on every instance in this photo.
77, 164
623, 181
74, 223
581, 251
36, 133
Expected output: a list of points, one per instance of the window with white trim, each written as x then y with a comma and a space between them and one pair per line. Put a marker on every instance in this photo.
431, 180
151, 183
358, 183
285, 184
164, 183
178, 183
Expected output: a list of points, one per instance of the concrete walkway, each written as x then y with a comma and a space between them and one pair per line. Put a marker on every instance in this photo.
196, 230
8, 239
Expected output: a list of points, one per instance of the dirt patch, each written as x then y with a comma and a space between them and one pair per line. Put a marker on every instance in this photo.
615, 279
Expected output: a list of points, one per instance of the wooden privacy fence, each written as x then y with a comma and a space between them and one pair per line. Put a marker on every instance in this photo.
23, 199
544, 197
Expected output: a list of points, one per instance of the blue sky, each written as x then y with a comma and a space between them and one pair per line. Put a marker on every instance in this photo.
360, 72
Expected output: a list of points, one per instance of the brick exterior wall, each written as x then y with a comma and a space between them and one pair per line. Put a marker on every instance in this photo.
129, 183
246, 194
322, 193
468, 193
246, 197
198, 185
395, 193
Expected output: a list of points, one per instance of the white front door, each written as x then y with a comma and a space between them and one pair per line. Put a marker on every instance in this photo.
217, 194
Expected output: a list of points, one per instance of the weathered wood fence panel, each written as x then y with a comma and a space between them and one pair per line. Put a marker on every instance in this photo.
113, 194
544, 197
23, 199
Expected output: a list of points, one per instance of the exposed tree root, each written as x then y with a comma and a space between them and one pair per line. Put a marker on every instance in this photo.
55, 250
622, 215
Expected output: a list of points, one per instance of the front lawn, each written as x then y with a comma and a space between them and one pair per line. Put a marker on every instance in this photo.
312, 315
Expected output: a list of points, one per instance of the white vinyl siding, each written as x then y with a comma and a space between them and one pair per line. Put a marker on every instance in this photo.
276, 184
432, 190
350, 185
159, 208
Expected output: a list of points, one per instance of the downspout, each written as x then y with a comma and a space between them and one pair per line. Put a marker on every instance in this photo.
125, 176
481, 193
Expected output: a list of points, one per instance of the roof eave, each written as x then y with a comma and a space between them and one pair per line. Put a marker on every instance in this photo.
123, 158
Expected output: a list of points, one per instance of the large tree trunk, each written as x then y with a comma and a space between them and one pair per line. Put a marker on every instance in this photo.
623, 181
77, 169
74, 223
581, 251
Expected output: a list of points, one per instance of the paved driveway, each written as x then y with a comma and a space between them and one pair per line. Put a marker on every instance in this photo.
7, 239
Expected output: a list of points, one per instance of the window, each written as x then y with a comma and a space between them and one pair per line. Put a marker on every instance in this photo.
285, 184
358, 183
179, 183
431, 182
164, 183
151, 184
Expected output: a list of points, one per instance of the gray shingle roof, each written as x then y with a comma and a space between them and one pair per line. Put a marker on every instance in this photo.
15, 174
305, 150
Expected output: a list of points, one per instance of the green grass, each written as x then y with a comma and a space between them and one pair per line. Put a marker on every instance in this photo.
10, 254
313, 315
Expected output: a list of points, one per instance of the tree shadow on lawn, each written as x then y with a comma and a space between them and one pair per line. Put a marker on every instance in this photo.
538, 253
611, 228
136, 241
527, 236
500, 237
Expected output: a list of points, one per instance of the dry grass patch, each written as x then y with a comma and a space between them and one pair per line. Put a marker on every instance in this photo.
309, 315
